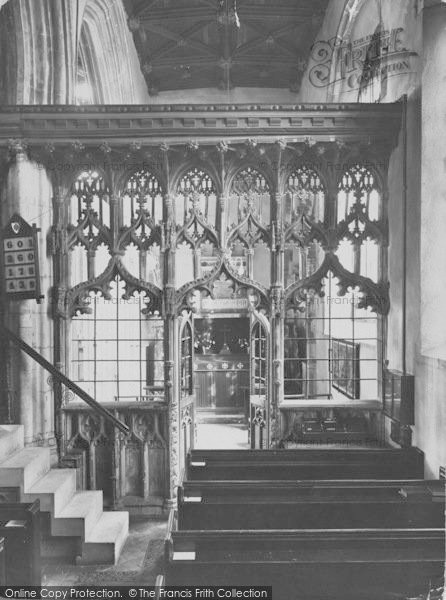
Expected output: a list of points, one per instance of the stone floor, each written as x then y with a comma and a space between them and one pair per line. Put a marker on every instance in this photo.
222, 436
141, 561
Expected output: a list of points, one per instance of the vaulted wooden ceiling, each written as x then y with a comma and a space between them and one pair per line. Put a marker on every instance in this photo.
186, 44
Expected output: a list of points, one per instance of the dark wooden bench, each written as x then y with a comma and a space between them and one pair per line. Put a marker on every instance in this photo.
20, 527
304, 505
375, 463
2, 562
362, 564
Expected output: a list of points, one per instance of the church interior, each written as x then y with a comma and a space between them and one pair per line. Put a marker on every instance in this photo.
223, 271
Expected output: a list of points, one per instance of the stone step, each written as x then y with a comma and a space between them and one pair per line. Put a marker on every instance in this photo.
79, 516
57, 548
25, 467
104, 543
75, 519
11, 440
54, 490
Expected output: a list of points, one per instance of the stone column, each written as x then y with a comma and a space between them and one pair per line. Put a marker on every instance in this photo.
171, 349
28, 193
277, 301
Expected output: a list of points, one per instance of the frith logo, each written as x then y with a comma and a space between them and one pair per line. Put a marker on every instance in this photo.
360, 61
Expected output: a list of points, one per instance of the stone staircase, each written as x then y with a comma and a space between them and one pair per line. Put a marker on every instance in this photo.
99, 535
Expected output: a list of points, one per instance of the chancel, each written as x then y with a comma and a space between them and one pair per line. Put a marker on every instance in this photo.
223, 352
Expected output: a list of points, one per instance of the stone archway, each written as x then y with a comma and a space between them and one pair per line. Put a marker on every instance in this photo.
107, 53
39, 50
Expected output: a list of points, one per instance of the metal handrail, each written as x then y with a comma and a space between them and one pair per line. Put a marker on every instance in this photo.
64, 380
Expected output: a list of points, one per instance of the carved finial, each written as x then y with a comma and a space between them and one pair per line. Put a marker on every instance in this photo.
78, 146
164, 147
153, 88
250, 201
105, 148
17, 147
50, 148
222, 147
310, 142
134, 23
192, 145
270, 41
251, 143
282, 143
195, 201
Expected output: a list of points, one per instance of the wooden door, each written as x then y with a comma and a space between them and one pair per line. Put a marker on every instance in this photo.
259, 397
187, 397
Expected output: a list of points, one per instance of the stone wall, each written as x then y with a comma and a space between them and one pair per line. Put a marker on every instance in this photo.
423, 332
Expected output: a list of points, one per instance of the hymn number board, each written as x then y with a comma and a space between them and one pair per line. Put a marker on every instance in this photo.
20, 260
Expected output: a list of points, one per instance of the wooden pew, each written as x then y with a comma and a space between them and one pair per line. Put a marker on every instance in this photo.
310, 505
2, 562
364, 564
337, 463
20, 527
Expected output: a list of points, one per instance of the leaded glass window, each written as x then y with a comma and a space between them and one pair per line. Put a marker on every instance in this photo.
117, 351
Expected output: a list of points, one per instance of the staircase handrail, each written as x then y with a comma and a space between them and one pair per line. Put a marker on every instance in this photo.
82, 394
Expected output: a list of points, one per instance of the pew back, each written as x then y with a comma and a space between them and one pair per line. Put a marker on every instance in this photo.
303, 505
20, 527
314, 563
376, 463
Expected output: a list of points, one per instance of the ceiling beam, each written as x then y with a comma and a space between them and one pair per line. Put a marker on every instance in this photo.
210, 10
277, 11
265, 60
240, 51
146, 10
286, 47
178, 14
176, 61
198, 61
178, 39
225, 31
143, 7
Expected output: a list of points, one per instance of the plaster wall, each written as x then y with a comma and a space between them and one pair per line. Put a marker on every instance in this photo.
345, 37
430, 365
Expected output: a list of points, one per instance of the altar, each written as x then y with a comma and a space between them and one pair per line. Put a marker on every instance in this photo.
222, 381
221, 364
